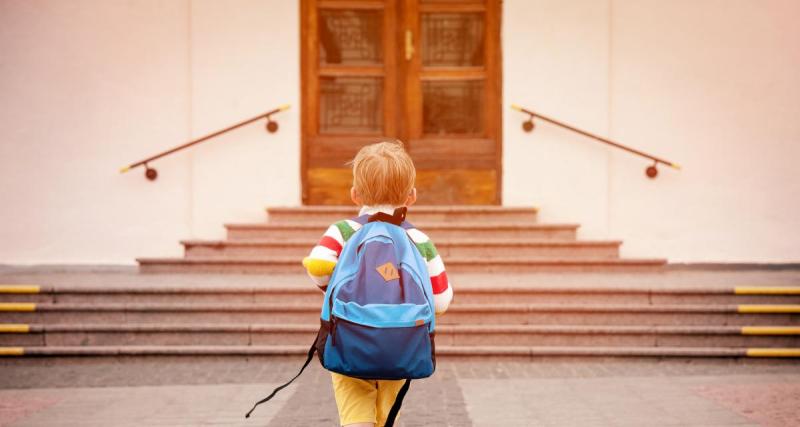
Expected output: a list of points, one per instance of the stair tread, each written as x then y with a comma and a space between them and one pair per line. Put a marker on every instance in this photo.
492, 307
442, 350
422, 225
464, 328
301, 284
450, 261
415, 208
439, 242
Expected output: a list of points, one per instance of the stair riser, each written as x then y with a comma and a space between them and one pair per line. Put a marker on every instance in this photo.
293, 268
452, 267
455, 317
720, 360
442, 338
533, 267
312, 296
610, 251
621, 318
314, 234
503, 217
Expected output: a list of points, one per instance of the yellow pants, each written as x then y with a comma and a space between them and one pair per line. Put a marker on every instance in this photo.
364, 401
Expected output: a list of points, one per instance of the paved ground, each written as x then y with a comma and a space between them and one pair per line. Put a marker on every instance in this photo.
187, 392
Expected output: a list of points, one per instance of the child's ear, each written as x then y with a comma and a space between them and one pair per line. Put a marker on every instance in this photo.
412, 198
354, 196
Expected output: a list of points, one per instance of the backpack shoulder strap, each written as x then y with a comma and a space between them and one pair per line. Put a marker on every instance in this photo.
277, 389
398, 402
397, 218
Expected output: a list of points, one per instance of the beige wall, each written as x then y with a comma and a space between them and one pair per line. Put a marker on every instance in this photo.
712, 85
245, 60
88, 86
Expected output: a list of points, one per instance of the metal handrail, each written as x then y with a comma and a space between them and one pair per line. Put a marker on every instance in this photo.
152, 174
651, 171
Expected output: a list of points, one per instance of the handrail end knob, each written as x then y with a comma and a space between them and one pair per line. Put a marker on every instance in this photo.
676, 166
528, 125
516, 107
151, 174
124, 169
284, 107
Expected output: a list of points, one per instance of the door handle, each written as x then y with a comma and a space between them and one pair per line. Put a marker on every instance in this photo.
409, 45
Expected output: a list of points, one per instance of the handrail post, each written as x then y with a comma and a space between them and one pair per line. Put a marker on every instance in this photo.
650, 171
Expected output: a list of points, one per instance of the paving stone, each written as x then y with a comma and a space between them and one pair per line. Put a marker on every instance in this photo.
435, 401
140, 406
596, 401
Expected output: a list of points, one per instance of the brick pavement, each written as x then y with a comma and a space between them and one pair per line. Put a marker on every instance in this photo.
636, 401
769, 404
166, 391
180, 405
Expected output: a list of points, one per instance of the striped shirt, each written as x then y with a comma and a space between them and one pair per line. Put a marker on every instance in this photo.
323, 257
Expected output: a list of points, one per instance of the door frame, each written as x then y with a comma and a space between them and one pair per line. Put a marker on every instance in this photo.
396, 72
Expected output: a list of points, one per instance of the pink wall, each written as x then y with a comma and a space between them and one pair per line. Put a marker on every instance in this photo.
713, 85
88, 86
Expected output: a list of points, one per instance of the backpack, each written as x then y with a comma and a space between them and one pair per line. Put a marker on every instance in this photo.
377, 319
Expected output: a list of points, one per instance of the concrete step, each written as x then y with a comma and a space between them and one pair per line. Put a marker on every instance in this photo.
306, 293
23, 335
417, 213
443, 351
466, 248
436, 231
459, 314
457, 265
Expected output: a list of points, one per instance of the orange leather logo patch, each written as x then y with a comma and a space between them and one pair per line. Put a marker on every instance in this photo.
419, 322
388, 271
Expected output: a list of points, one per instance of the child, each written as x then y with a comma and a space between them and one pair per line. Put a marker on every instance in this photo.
383, 179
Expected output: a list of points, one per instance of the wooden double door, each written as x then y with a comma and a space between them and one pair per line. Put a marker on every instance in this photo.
425, 72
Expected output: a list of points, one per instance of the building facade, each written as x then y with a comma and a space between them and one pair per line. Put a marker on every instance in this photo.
90, 86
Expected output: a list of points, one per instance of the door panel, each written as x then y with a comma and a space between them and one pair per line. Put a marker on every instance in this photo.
456, 186
426, 72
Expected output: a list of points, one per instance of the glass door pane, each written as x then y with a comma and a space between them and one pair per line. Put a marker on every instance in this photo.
350, 37
452, 39
452, 107
351, 105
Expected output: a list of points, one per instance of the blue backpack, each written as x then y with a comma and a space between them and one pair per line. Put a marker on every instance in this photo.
378, 317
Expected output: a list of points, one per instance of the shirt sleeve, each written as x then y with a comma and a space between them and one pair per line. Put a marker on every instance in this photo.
323, 257
442, 291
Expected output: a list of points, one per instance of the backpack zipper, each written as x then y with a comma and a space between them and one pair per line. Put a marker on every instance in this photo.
333, 330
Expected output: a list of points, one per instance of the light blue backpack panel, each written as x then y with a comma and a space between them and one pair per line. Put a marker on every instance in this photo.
378, 318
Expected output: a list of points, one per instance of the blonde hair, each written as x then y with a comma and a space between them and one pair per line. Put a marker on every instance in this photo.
383, 174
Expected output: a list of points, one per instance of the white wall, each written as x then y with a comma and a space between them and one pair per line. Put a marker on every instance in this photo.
245, 61
712, 85
87, 86
556, 63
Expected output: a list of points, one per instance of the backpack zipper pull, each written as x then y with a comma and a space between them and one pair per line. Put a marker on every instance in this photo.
333, 330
